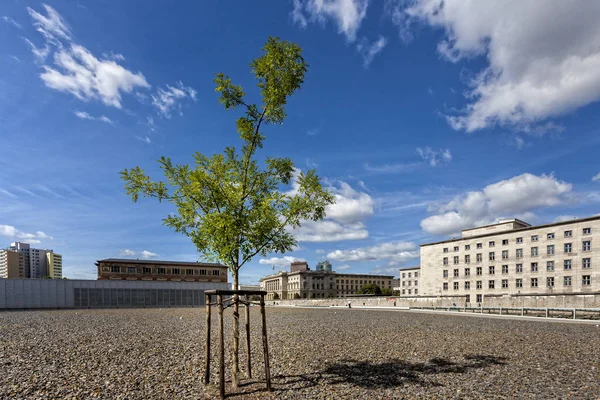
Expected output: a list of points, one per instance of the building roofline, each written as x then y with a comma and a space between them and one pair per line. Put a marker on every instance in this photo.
162, 262
313, 272
409, 268
502, 221
528, 228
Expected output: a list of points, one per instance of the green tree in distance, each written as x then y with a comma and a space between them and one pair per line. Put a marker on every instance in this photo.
370, 288
231, 206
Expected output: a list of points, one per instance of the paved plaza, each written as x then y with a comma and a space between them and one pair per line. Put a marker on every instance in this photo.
315, 354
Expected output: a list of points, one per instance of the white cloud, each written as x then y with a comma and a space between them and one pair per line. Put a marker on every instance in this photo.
14, 233
434, 157
542, 61
346, 14
132, 253
280, 261
85, 115
144, 139
9, 20
350, 205
394, 252
310, 163
87, 78
563, 218
392, 168
596, 177
165, 100
313, 132
113, 56
320, 251
330, 231
342, 267
508, 198
148, 254
38, 52
52, 26
368, 51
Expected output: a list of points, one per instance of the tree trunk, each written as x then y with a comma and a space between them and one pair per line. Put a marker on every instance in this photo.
236, 334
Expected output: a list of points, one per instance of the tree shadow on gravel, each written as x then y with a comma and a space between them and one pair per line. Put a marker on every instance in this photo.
384, 375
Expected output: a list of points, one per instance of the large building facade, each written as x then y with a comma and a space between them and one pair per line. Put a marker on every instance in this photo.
20, 260
409, 281
513, 258
154, 270
303, 283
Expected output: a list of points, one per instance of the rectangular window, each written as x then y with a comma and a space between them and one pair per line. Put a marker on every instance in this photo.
492, 256
504, 242
189, 271
534, 251
479, 271
479, 284
504, 283
455, 248
479, 257
216, 272
404, 274
587, 245
467, 247
568, 233
467, 285
587, 263
445, 260
202, 272
403, 291
467, 271
505, 269
416, 291
534, 267
550, 249
456, 273
492, 243
550, 236
491, 284
479, 245
409, 274
567, 281
505, 254
568, 264
587, 231
519, 240
586, 280
115, 269
519, 268
550, 266
519, 253
479, 298
467, 259
403, 283
534, 238
416, 276
519, 283
147, 270
416, 283
455, 260
409, 291
534, 282
568, 248
445, 285
131, 270
445, 273
161, 270
492, 270
455, 285
550, 282
445, 249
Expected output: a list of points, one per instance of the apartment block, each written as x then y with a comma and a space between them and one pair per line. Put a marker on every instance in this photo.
303, 283
154, 270
35, 263
409, 281
511, 258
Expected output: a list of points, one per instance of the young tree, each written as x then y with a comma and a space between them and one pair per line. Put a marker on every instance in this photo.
370, 288
231, 206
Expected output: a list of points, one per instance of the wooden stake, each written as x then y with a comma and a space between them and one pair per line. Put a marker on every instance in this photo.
265, 344
221, 348
249, 363
207, 368
235, 378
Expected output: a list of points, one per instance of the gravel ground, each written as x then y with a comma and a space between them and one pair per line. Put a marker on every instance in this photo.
315, 354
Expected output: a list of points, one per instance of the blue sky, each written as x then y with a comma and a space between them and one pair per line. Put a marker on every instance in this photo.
423, 119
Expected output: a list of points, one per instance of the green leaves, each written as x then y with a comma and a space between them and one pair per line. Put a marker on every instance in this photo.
232, 208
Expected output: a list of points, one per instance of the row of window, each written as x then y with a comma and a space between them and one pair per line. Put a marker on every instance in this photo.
162, 271
534, 238
409, 274
586, 280
404, 291
404, 283
550, 250
567, 265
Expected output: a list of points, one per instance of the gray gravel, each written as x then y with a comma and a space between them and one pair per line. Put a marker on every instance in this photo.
315, 354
